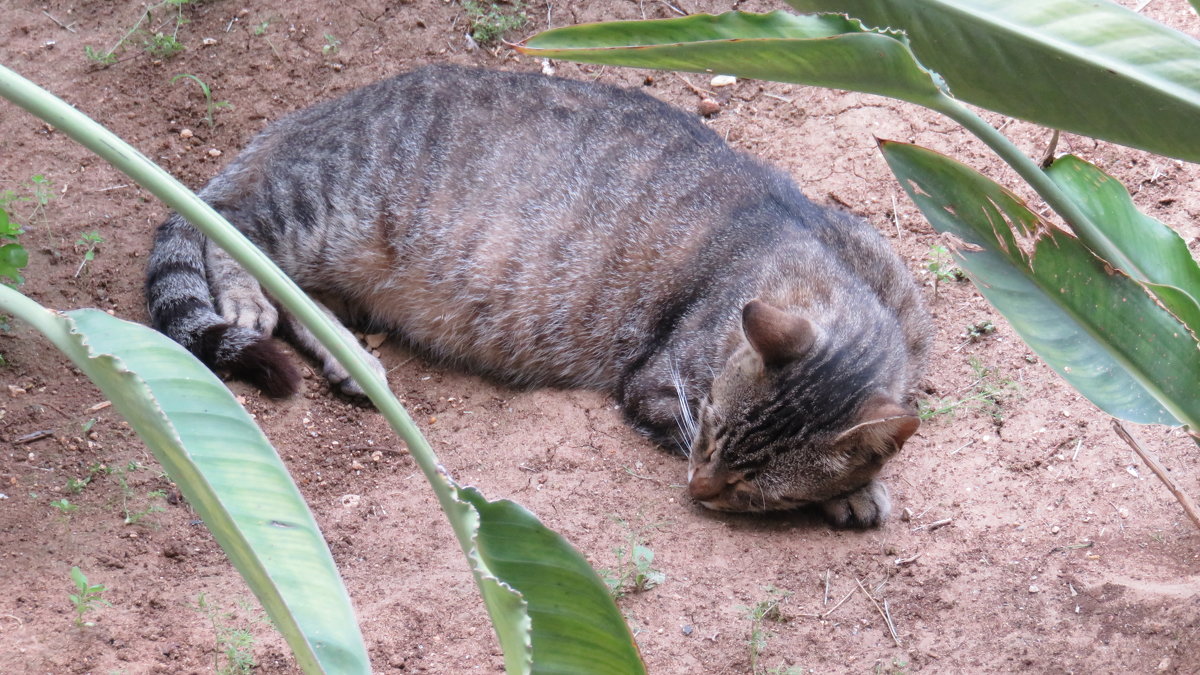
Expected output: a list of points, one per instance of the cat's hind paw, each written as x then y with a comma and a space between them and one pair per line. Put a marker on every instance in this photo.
341, 382
867, 506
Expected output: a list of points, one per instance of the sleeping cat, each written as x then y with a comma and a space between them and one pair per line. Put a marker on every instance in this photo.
548, 232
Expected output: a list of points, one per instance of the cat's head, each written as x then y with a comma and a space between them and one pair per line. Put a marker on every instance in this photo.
792, 421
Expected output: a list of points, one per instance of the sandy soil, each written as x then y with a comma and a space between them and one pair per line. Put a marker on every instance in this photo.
1063, 553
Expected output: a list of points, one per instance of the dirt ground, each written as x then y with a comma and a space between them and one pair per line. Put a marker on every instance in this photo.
1062, 552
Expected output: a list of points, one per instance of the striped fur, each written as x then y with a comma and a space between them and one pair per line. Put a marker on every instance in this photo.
546, 232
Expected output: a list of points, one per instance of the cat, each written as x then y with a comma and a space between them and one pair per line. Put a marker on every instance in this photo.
548, 232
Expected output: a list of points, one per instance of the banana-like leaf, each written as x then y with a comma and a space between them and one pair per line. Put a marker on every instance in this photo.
827, 51
1160, 255
1099, 329
576, 627
1087, 66
226, 469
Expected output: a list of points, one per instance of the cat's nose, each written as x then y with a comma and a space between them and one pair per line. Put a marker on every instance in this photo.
708, 482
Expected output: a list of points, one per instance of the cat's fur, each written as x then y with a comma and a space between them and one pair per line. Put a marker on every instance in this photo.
548, 232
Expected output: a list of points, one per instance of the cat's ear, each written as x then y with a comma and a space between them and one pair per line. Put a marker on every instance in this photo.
778, 336
883, 425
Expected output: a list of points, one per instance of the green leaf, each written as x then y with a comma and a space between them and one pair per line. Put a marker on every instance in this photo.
575, 625
1099, 329
13, 258
1086, 66
226, 469
828, 51
1160, 255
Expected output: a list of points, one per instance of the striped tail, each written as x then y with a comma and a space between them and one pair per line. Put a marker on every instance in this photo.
181, 306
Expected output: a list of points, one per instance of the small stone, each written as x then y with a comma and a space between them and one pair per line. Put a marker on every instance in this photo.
686, 630
708, 107
433, 420
350, 501
208, 42
243, 12
1054, 530
1034, 589
15, 391
186, 133
213, 152
1164, 665
906, 515
375, 339
357, 465
723, 81
377, 456
1124, 512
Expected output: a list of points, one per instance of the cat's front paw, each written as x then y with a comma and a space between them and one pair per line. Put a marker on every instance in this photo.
867, 506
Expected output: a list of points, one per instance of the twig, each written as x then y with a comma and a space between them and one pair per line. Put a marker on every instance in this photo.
1078, 442
673, 8
695, 90
113, 187
887, 619
905, 561
1048, 156
826, 602
1189, 507
35, 436
839, 604
934, 525
61, 24
777, 97
962, 447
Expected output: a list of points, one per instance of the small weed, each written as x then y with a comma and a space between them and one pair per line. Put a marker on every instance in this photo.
13, 256
898, 666
261, 28
758, 614
985, 393
154, 42
87, 597
942, 267
162, 46
87, 241
635, 571
489, 22
210, 106
977, 331
64, 507
331, 46
76, 485
234, 642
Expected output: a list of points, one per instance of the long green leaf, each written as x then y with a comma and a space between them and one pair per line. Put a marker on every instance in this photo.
580, 631
1092, 324
1158, 252
1087, 66
226, 469
829, 51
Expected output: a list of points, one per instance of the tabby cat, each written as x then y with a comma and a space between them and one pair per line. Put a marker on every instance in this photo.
548, 232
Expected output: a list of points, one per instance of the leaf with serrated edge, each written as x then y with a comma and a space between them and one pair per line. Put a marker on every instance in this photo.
1087, 66
1095, 326
828, 51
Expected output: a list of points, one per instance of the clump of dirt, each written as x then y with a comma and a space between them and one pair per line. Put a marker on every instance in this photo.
1057, 551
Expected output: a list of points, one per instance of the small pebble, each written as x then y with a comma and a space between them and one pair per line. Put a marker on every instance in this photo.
686, 630
1054, 530
1034, 589
208, 42
723, 81
377, 456
350, 501
375, 339
213, 152
708, 107
357, 465
186, 133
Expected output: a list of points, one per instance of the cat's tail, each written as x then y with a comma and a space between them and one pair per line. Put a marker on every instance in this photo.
181, 306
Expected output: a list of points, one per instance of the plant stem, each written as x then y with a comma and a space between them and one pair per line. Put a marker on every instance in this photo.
1083, 227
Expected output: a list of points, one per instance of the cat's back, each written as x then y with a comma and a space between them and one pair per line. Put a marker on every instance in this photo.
538, 229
